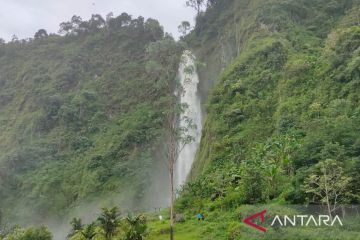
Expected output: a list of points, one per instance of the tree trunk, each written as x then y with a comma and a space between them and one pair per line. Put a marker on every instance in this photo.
327, 194
172, 201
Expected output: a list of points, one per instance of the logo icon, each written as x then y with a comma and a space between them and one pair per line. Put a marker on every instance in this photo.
249, 222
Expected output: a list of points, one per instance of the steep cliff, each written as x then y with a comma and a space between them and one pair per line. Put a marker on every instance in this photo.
285, 102
81, 117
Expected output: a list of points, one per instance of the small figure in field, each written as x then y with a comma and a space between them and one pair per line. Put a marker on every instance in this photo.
160, 217
200, 216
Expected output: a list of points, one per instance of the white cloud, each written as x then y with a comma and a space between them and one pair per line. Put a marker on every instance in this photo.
24, 17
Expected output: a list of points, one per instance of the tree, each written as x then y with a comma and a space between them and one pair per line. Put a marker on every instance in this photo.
153, 27
328, 185
211, 3
96, 22
89, 232
196, 4
109, 221
165, 54
2, 42
72, 27
355, 176
76, 226
65, 28
138, 23
109, 16
122, 20
41, 233
76, 21
253, 182
137, 228
41, 34
14, 38
184, 27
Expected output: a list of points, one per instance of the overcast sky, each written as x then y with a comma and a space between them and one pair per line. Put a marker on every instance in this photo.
24, 17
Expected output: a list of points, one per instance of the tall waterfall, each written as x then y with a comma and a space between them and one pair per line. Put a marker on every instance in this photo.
189, 81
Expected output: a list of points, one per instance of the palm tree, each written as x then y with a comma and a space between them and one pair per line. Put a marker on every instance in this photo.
89, 231
76, 226
109, 221
137, 230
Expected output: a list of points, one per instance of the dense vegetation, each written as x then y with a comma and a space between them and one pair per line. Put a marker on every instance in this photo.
284, 114
108, 225
81, 114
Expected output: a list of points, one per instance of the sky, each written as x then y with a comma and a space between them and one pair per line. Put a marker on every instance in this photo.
24, 17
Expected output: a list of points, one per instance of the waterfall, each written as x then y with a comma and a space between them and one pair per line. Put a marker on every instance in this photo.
189, 80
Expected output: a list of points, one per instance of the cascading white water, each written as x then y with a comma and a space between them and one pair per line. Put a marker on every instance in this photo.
189, 81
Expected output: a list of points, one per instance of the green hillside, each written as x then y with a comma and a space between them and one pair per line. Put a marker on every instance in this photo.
81, 115
287, 103
290, 97
82, 119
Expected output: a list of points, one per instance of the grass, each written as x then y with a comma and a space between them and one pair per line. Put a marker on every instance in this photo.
189, 230
227, 225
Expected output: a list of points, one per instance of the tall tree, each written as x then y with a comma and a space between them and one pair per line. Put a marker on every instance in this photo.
89, 232
120, 21
196, 4
109, 221
328, 185
72, 27
154, 29
211, 3
109, 16
65, 28
137, 227
76, 226
76, 21
96, 22
14, 38
41, 34
184, 27
166, 55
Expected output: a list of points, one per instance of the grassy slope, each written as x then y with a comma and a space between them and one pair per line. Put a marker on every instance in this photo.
227, 225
